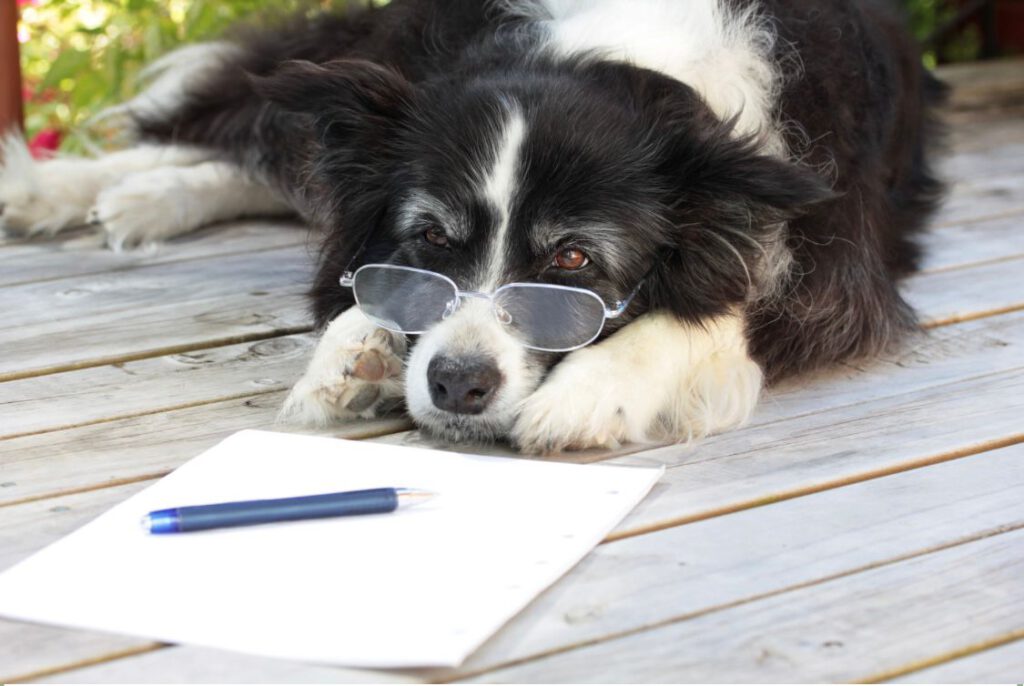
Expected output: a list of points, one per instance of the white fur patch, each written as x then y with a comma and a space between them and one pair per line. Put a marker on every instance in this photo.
724, 54
656, 379
43, 197
161, 203
498, 188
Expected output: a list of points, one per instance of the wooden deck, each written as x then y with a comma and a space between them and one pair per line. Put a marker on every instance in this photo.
868, 525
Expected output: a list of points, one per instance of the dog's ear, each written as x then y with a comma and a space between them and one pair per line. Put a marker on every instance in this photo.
339, 95
724, 178
706, 166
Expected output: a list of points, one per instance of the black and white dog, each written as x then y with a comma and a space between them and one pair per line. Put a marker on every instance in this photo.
757, 167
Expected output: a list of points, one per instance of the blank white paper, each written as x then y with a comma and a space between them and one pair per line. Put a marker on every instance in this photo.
423, 586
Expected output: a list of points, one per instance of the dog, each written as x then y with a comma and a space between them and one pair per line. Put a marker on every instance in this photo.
743, 179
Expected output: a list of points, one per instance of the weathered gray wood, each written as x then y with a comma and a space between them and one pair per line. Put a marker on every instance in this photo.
111, 451
848, 629
206, 666
706, 566
137, 448
973, 244
151, 310
81, 252
720, 482
1003, 664
125, 292
686, 571
967, 293
981, 197
152, 385
980, 131
815, 452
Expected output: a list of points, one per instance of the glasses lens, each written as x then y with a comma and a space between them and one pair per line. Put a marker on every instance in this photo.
550, 317
401, 298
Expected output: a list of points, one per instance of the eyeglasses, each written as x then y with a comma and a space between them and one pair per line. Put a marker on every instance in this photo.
545, 317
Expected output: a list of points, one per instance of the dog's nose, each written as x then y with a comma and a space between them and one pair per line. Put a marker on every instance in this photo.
463, 385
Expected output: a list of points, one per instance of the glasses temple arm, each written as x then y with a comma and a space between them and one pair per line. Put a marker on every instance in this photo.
621, 305
347, 277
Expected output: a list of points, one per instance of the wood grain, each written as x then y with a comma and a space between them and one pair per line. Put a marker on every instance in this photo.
151, 310
820, 451
847, 629
143, 447
1002, 664
206, 666
975, 244
82, 252
101, 394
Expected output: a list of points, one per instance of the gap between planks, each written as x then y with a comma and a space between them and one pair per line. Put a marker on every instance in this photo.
121, 358
905, 506
945, 658
634, 631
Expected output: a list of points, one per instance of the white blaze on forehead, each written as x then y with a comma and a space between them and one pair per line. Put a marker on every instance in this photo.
498, 188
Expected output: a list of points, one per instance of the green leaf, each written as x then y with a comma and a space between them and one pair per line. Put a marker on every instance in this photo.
68, 64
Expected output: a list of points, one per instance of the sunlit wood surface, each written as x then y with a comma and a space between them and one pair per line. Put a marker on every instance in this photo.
867, 525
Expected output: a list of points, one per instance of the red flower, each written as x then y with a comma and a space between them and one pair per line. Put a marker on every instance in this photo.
44, 143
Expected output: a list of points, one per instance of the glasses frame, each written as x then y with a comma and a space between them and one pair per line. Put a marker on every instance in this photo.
348, 279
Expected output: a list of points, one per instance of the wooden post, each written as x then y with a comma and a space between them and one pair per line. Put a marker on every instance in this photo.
10, 67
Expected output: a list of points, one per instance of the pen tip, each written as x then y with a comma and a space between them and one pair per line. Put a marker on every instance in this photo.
414, 496
146, 523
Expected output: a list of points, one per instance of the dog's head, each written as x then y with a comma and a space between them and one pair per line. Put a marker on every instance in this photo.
589, 174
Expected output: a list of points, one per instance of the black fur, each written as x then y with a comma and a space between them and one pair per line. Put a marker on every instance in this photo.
346, 114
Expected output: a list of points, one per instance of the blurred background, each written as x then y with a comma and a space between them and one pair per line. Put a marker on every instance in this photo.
79, 56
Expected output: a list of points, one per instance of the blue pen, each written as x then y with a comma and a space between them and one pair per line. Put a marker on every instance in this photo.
250, 512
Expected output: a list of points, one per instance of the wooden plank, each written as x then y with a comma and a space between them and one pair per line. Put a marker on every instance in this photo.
958, 352
983, 85
950, 354
965, 293
981, 131
152, 310
144, 447
704, 567
1002, 664
847, 629
152, 385
962, 245
687, 570
206, 666
79, 253
982, 197
825, 450
1000, 157
127, 292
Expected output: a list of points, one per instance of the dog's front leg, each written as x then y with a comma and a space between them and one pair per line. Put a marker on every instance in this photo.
356, 370
657, 379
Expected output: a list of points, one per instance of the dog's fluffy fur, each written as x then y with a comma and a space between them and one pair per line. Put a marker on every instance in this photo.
767, 158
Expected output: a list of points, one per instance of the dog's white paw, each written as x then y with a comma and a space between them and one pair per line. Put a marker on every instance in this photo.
579, 406
144, 208
39, 197
658, 379
356, 372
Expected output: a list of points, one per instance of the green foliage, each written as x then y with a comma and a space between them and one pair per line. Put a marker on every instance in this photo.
926, 16
80, 56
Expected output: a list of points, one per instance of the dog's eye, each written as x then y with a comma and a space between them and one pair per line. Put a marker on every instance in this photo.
436, 236
571, 259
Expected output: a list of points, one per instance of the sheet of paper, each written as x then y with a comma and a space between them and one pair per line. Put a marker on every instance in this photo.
423, 586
